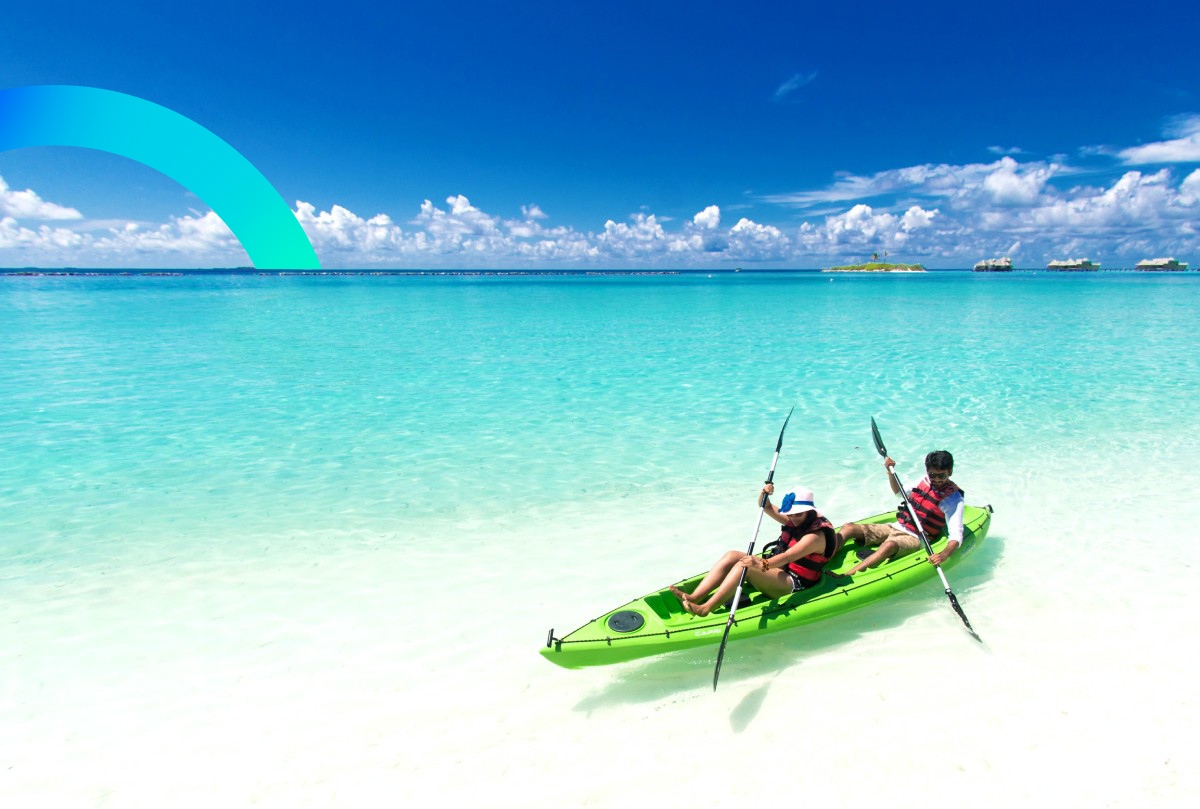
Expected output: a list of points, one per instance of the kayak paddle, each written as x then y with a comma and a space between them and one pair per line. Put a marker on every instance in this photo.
762, 502
921, 531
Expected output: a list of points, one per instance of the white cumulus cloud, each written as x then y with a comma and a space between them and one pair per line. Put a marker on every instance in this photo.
28, 205
186, 241
1191, 185
1184, 148
708, 219
862, 227
1011, 184
645, 236
340, 230
16, 237
750, 241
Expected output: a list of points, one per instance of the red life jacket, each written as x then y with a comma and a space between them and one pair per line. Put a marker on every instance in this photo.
808, 568
926, 501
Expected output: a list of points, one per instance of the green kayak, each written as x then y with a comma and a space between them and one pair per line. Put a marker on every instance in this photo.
656, 623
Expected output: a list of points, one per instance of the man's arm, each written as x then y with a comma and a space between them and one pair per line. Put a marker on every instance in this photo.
888, 463
952, 507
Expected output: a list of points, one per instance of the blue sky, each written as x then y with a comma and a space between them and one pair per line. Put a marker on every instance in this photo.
630, 134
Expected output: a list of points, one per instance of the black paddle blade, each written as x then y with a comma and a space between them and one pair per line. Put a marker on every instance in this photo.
721, 652
879, 447
778, 448
961, 614
779, 443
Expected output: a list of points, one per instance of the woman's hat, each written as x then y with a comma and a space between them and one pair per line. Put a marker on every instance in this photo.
796, 500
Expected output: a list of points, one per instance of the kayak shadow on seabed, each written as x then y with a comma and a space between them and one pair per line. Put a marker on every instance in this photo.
674, 674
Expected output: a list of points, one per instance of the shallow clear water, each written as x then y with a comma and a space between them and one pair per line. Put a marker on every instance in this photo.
295, 541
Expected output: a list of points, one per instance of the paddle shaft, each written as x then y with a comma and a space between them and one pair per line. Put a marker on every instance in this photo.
737, 594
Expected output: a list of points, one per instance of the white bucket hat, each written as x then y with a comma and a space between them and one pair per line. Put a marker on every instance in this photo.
796, 500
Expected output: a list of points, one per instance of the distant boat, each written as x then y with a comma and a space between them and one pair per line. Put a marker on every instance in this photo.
994, 265
1074, 265
1161, 265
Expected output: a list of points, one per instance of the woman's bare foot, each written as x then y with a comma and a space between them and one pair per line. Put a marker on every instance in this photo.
689, 605
684, 598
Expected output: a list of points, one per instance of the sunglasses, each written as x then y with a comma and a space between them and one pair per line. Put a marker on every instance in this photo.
939, 475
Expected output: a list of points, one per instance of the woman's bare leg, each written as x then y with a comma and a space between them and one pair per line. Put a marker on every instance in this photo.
715, 576
722, 594
774, 583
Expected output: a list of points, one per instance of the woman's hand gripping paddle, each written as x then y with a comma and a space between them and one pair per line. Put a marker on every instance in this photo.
762, 502
921, 531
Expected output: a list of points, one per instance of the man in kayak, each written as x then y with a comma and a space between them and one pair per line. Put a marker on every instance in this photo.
806, 544
938, 502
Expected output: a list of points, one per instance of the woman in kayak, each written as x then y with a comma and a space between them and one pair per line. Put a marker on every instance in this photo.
805, 546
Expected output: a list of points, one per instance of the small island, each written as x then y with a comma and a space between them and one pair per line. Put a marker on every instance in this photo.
877, 266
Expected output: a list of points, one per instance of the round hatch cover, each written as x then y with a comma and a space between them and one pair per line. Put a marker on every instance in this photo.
626, 621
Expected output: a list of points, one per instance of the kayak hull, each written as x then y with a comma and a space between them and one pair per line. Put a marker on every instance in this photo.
656, 623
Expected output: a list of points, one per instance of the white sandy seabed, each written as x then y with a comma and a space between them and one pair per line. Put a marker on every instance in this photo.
384, 672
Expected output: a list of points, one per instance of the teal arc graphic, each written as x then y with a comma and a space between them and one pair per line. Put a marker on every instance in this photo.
68, 115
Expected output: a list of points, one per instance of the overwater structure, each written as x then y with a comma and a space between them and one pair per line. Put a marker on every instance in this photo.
1161, 265
994, 265
1074, 265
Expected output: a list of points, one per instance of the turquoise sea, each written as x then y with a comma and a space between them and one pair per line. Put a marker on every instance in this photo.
295, 541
